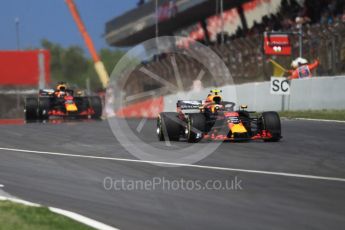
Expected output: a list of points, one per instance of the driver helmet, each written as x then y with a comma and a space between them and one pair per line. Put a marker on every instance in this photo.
215, 96
61, 86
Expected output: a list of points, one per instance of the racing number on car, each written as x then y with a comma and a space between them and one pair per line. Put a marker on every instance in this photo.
280, 86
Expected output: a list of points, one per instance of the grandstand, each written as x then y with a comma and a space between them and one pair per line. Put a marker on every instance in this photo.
139, 24
242, 50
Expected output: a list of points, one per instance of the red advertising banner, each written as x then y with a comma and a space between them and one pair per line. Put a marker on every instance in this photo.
277, 44
149, 109
24, 68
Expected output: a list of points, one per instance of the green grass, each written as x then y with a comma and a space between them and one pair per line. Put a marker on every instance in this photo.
15, 216
315, 114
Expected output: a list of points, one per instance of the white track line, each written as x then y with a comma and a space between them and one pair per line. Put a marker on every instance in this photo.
19, 201
1, 186
72, 215
321, 120
82, 219
181, 164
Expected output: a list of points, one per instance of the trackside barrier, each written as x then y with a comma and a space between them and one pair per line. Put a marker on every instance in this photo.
149, 108
316, 93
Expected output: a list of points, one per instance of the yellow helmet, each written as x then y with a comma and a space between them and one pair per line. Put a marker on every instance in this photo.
61, 86
215, 96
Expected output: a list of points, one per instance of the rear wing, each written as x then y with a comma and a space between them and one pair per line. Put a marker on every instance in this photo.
188, 104
50, 92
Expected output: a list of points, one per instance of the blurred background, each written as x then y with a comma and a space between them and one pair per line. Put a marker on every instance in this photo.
41, 45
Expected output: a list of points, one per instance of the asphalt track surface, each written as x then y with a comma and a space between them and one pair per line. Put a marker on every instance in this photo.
263, 202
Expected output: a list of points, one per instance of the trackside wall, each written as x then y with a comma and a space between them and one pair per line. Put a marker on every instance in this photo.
306, 94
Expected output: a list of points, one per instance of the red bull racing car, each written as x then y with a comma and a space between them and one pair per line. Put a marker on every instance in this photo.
214, 119
62, 102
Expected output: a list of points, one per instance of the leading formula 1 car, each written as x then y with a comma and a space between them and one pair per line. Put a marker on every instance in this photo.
62, 102
215, 119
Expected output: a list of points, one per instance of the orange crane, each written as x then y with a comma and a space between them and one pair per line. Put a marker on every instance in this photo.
99, 66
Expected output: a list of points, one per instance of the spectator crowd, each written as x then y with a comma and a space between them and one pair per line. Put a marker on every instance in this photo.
291, 13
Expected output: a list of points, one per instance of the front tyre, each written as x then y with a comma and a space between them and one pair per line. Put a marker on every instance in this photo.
271, 123
196, 127
95, 103
168, 126
43, 108
31, 109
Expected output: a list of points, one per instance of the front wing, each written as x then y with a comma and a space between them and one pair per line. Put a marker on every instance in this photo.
264, 135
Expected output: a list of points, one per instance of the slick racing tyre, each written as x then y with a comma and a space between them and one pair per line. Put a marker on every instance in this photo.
271, 123
96, 105
83, 105
43, 108
195, 127
31, 108
168, 126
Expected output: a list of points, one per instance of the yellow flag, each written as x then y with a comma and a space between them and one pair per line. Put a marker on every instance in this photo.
278, 70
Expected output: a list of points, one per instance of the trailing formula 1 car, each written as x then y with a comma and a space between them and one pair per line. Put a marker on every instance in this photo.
62, 102
214, 119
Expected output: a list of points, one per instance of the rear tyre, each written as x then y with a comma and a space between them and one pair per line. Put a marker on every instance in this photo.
43, 108
196, 127
271, 123
31, 109
168, 126
96, 104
